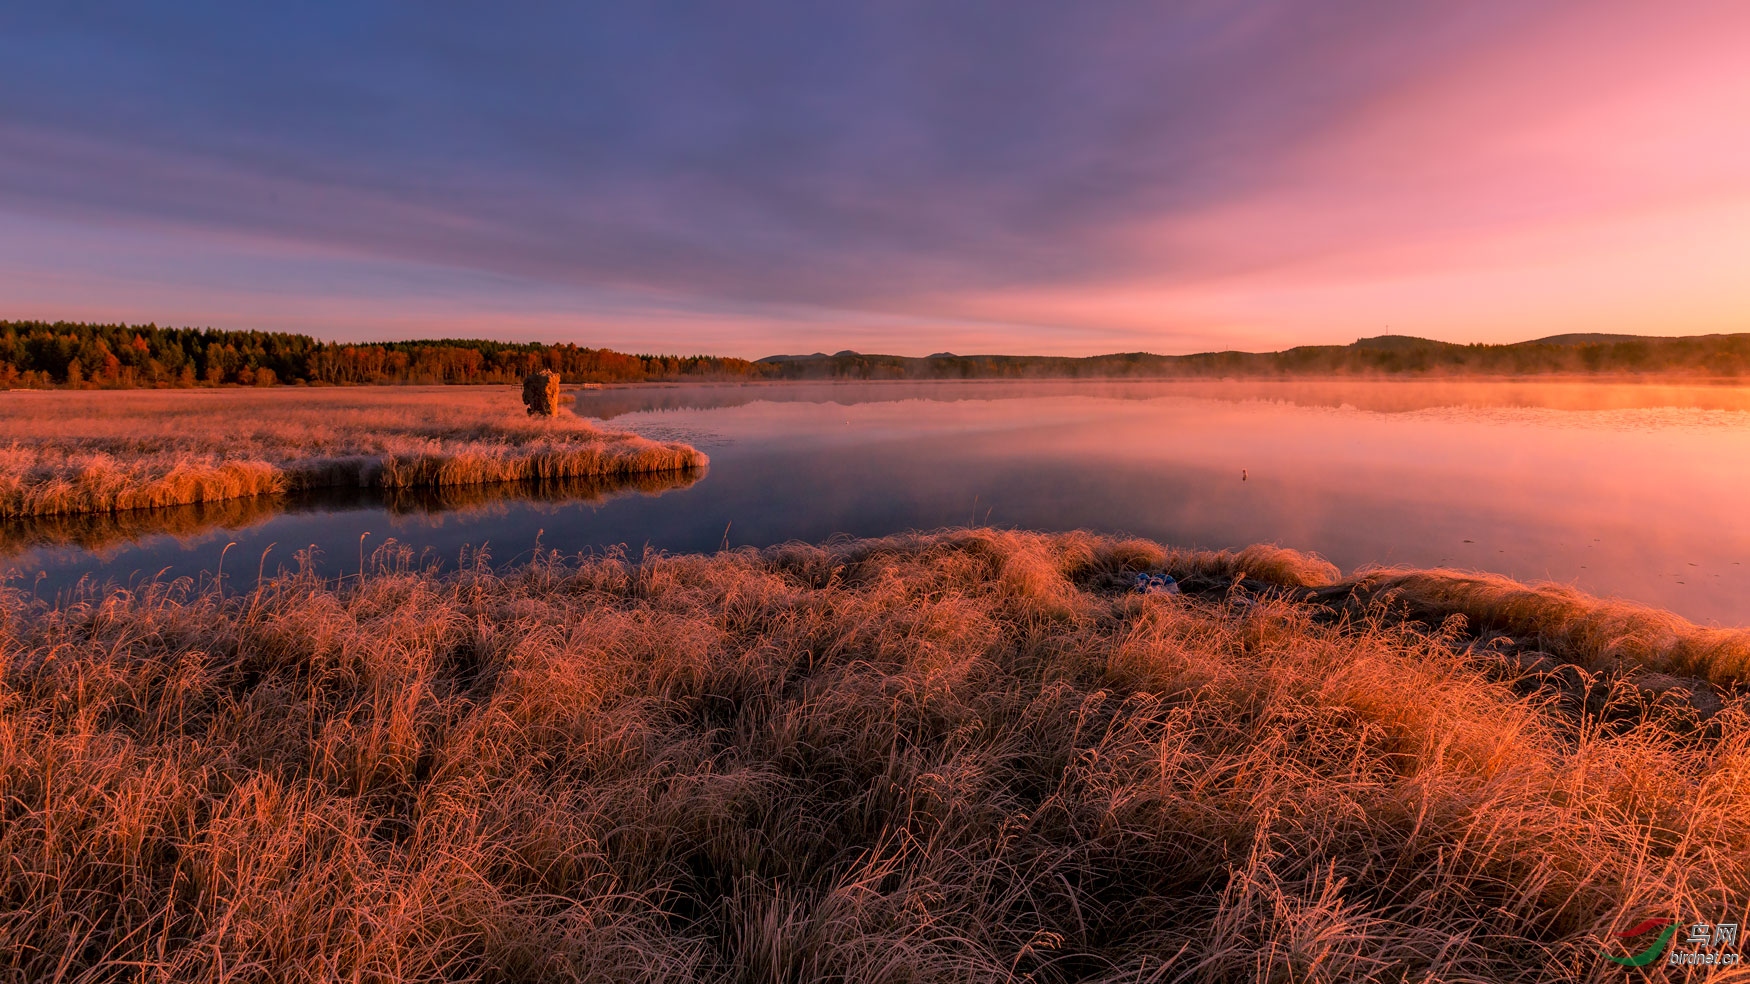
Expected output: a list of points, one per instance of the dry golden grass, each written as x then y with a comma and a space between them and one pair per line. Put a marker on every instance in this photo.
963, 756
1594, 633
77, 452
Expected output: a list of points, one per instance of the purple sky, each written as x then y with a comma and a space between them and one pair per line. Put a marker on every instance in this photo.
757, 178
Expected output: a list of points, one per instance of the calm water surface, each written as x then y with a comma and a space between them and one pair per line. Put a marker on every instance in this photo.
1629, 490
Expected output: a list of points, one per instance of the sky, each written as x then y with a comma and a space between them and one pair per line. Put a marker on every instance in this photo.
758, 178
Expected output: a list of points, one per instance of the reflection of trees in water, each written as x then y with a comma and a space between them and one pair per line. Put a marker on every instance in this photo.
104, 532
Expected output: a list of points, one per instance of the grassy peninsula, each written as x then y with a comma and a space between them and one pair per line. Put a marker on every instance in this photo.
70, 452
970, 756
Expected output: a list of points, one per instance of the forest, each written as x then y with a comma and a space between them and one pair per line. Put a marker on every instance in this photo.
121, 356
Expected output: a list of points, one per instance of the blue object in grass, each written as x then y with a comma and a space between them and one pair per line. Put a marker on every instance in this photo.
1157, 584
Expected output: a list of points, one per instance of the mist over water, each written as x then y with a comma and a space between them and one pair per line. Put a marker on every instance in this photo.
1632, 490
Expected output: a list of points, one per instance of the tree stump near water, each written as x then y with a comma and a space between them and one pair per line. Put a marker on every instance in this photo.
541, 393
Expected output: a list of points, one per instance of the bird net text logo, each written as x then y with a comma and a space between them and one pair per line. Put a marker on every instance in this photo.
1703, 945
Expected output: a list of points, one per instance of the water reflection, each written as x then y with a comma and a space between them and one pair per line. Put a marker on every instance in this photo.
498, 496
1380, 396
103, 533
106, 535
1629, 490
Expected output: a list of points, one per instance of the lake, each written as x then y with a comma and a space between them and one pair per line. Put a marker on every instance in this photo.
1634, 490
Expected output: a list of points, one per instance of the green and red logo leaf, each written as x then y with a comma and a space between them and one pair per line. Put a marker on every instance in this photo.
1652, 952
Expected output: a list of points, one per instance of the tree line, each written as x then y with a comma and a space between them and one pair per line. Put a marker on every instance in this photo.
76, 354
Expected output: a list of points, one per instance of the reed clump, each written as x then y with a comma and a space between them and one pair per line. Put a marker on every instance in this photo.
961, 756
1599, 634
68, 453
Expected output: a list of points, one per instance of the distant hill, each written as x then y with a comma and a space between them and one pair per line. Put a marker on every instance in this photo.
1595, 338
1393, 343
1695, 355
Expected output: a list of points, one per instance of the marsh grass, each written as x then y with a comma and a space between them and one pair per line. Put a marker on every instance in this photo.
960, 756
1598, 634
75, 452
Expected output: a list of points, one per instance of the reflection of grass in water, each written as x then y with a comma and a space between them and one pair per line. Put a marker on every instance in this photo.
100, 532
556, 491
961, 756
